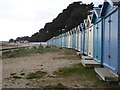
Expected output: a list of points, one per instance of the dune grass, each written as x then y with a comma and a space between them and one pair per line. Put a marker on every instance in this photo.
27, 51
36, 75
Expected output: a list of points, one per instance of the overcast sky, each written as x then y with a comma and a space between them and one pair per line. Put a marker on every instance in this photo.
25, 17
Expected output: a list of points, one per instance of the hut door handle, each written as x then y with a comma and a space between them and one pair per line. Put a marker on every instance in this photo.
108, 56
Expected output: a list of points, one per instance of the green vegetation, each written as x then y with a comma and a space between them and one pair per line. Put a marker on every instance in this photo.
59, 86
27, 51
22, 74
75, 70
13, 74
85, 74
16, 77
68, 54
36, 75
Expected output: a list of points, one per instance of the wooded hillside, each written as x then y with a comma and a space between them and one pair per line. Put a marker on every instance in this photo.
70, 17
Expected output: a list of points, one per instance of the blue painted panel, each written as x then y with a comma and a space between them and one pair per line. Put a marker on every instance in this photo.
98, 42
62, 36
66, 39
106, 45
70, 40
119, 41
95, 35
60, 41
110, 58
99, 33
114, 41
73, 40
82, 41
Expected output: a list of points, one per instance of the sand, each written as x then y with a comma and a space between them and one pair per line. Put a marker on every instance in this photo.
48, 62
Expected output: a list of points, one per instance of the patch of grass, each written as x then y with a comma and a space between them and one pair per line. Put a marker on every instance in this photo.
51, 49
48, 47
75, 70
86, 74
22, 74
17, 77
36, 75
59, 86
69, 52
27, 51
13, 74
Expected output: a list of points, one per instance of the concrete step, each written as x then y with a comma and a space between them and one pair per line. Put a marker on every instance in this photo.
106, 75
90, 63
87, 58
78, 53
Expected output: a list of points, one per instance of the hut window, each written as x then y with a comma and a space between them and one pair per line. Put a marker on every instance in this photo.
96, 27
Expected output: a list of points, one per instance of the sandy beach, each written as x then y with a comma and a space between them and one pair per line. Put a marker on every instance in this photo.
48, 62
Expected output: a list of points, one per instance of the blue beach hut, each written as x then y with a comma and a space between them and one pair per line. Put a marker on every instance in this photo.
82, 29
64, 35
71, 38
98, 35
76, 38
111, 37
59, 40
65, 40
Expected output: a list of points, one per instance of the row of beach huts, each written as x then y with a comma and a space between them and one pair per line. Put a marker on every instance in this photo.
98, 37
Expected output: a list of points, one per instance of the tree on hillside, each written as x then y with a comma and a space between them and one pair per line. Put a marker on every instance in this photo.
70, 17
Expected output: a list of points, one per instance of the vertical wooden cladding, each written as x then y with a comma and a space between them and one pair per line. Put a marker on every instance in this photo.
97, 35
71, 39
98, 42
78, 38
65, 40
68, 39
90, 42
86, 38
110, 15
110, 41
59, 40
119, 40
90, 36
82, 29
